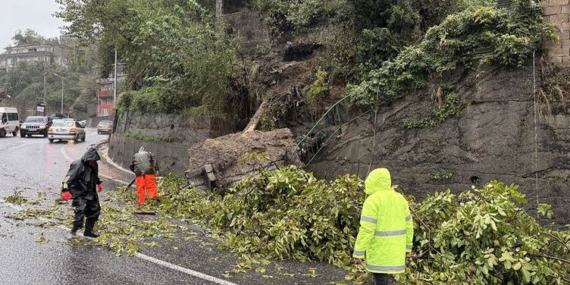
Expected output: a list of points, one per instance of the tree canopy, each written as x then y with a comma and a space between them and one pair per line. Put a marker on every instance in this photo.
176, 58
31, 37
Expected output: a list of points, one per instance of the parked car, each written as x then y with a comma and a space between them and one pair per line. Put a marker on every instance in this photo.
105, 127
9, 121
66, 130
35, 125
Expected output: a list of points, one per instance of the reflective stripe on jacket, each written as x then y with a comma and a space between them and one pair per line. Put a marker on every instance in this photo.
386, 226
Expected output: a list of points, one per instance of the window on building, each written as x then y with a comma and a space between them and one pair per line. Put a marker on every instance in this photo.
105, 112
109, 101
108, 87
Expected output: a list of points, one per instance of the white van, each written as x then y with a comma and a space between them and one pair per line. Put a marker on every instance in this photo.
10, 122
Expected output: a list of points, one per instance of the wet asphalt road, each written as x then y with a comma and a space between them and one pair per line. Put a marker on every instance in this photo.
33, 165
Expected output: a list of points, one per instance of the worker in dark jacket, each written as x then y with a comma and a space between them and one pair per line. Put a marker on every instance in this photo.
82, 184
145, 167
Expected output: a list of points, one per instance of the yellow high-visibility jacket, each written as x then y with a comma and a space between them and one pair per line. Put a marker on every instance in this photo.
386, 226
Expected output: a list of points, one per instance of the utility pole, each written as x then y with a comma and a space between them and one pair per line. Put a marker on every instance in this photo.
45, 94
115, 83
61, 95
219, 8
60, 76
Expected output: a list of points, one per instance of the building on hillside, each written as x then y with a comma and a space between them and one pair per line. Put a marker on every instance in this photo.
49, 53
106, 93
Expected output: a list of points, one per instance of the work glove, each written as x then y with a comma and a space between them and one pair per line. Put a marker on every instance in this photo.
99, 187
66, 196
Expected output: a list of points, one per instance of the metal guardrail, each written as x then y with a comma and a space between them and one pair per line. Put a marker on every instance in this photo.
321, 119
324, 129
334, 133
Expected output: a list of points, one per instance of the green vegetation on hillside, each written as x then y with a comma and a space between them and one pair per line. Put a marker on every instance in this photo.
387, 49
31, 37
182, 60
474, 36
178, 59
451, 106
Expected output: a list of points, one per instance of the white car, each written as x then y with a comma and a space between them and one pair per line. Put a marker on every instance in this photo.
9, 121
65, 130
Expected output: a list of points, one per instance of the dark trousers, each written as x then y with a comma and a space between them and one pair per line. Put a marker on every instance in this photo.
381, 279
88, 210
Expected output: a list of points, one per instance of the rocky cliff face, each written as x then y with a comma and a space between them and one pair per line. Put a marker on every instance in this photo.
494, 137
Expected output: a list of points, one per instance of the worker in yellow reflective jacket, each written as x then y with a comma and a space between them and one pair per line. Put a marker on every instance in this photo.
386, 228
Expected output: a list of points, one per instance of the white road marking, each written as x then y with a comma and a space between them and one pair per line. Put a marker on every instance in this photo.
184, 270
67, 157
158, 261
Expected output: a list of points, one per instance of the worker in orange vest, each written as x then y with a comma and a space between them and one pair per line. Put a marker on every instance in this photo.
145, 168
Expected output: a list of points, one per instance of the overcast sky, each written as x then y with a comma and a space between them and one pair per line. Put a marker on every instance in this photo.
28, 14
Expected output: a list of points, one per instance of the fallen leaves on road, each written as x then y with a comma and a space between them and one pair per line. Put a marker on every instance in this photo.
17, 198
121, 230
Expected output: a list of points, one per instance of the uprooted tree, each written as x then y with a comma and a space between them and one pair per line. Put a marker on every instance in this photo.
481, 236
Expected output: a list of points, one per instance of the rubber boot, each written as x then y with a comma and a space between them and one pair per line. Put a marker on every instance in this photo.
89, 225
74, 229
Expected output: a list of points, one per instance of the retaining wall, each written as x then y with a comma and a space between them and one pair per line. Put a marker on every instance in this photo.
557, 12
168, 137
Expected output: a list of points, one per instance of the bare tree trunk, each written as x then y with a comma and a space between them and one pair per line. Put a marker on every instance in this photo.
219, 8
256, 118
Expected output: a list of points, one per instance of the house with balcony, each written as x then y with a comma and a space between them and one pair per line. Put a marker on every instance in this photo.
106, 93
49, 53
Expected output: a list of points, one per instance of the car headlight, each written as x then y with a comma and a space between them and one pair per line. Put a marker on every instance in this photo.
23, 126
42, 127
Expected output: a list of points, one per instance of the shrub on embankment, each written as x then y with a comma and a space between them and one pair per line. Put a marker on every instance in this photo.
481, 236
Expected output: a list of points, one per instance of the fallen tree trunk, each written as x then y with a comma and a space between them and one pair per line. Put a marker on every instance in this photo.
220, 162
256, 118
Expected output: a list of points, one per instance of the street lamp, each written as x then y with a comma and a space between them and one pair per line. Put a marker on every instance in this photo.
61, 112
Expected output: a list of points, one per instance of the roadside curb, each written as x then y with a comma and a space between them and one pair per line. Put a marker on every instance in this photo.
108, 160
103, 149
